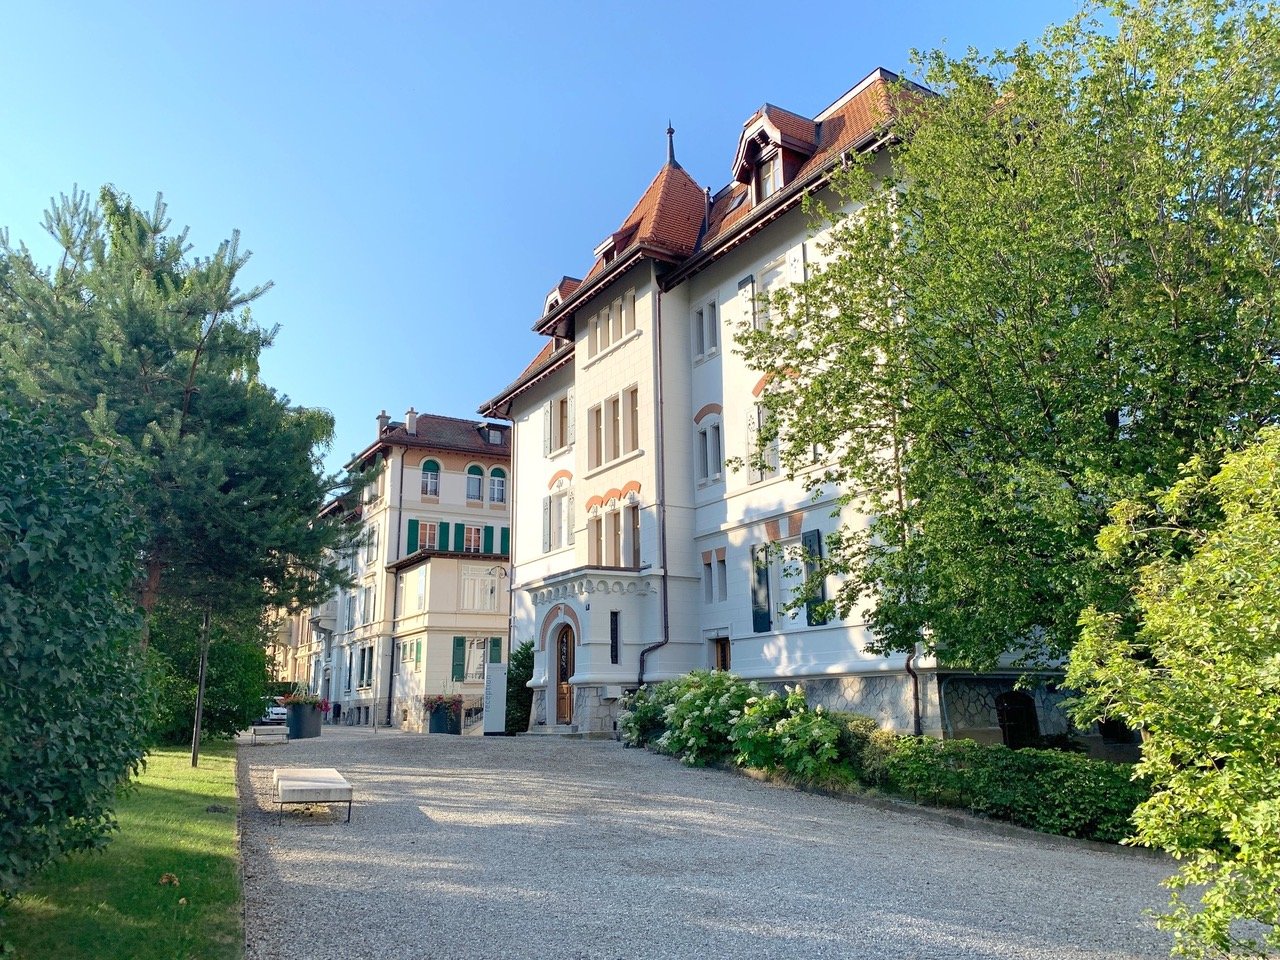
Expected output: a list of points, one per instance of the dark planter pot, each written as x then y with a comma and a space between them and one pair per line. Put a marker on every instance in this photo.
304, 721
444, 721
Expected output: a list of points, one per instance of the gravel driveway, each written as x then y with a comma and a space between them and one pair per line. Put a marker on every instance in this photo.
471, 847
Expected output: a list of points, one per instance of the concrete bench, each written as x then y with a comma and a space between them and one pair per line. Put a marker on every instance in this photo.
310, 785
268, 733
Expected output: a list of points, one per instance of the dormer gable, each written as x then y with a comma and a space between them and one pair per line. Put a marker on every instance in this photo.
559, 293
774, 145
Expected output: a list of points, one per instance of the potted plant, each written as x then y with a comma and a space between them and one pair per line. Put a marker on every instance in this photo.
306, 710
444, 712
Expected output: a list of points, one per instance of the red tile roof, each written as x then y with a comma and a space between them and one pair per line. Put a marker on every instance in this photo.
444, 433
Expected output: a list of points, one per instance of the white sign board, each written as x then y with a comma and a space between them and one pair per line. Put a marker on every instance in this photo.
495, 698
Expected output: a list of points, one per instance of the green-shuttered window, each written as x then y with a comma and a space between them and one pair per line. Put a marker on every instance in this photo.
413, 536
444, 535
475, 483
459, 536
459, 659
488, 539
430, 478
505, 545
495, 649
417, 653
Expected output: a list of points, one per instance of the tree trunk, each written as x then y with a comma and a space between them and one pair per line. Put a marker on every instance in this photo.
204, 666
147, 600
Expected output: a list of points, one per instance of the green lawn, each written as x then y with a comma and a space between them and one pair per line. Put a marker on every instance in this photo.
112, 905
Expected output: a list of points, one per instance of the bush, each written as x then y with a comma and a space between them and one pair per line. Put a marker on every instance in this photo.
776, 732
1045, 790
72, 680
855, 732
643, 717
700, 718
873, 762
519, 696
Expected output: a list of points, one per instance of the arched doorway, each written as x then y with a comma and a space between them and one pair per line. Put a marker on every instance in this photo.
564, 670
1016, 712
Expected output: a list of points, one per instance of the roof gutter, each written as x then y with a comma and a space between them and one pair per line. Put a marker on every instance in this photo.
553, 363
590, 286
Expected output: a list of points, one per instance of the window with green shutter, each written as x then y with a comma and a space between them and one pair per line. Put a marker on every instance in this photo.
495, 649
488, 539
444, 535
459, 536
413, 536
459, 659
505, 542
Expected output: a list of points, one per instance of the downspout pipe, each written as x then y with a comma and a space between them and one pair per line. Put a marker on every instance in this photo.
662, 482
917, 728
395, 593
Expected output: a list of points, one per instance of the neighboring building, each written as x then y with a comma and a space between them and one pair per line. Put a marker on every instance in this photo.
430, 604
639, 555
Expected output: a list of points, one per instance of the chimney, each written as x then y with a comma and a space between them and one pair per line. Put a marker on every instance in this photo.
411, 422
383, 420
706, 212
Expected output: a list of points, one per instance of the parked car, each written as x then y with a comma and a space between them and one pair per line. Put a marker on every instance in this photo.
272, 712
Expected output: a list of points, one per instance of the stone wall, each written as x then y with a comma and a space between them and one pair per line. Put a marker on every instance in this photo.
886, 697
970, 704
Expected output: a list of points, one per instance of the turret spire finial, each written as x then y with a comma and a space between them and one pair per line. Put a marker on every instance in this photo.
671, 143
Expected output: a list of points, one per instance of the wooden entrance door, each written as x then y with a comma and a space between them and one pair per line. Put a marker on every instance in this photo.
564, 670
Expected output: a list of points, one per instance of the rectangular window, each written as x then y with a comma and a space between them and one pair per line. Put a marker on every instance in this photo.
557, 423
708, 583
613, 526
768, 178
631, 440
422, 587
710, 463
595, 441
346, 684
763, 456
563, 434
472, 540
633, 528
615, 635
595, 541
628, 311
477, 651
428, 535
497, 489
366, 605
706, 331
770, 280
722, 579
479, 589
430, 479
615, 427
371, 545
350, 603
475, 485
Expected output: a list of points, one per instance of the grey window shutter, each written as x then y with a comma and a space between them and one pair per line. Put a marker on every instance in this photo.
761, 620
811, 542
546, 524
747, 288
569, 518
546, 429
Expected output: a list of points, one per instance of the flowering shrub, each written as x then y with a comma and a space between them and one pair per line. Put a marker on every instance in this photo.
443, 703
643, 717
775, 732
700, 718
305, 698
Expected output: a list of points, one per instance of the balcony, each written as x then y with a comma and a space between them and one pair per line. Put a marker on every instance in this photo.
324, 616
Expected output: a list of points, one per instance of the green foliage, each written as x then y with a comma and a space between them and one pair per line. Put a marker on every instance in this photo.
1059, 285
856, 730
1046, 790
700, 718
72, 698
112, 905
1194, 662
644, 713
774, 732
874, 765
519, 696
236, 678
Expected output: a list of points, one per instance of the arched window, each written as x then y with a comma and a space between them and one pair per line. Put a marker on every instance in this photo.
475, 483
497, 485
430, 478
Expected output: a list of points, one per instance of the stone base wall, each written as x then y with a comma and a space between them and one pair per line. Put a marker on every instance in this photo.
971, 707
592, 714
885, 697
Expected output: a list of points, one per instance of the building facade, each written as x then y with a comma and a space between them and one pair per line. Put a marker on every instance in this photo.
430, 603
640, 553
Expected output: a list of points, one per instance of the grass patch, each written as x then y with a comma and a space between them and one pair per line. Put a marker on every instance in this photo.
113, 906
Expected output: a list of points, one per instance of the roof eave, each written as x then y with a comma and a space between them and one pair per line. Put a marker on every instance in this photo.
629, 258
553, 363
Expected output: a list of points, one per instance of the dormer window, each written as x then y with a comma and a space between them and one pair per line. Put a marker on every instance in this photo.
493, 435
768, 177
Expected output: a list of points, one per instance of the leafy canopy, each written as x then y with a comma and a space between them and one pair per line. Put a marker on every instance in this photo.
1056, 285
1198, 669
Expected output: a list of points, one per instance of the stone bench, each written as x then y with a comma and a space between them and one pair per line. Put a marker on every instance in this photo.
268, 733
310, 785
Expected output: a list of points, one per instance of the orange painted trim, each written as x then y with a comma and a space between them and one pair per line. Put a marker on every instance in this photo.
558, 476
772, 530
795, 522
560, 614
707, 411
631, 486
759, 387
593, 502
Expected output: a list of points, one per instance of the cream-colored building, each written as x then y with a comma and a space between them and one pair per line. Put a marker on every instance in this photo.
639, 554
430, 603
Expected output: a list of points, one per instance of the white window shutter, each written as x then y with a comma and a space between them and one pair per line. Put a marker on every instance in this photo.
546, 429
754, 474
546, 524
569, 518
795, 265
568, 441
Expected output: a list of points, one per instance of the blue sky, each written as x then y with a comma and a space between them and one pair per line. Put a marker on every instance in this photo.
414, 177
